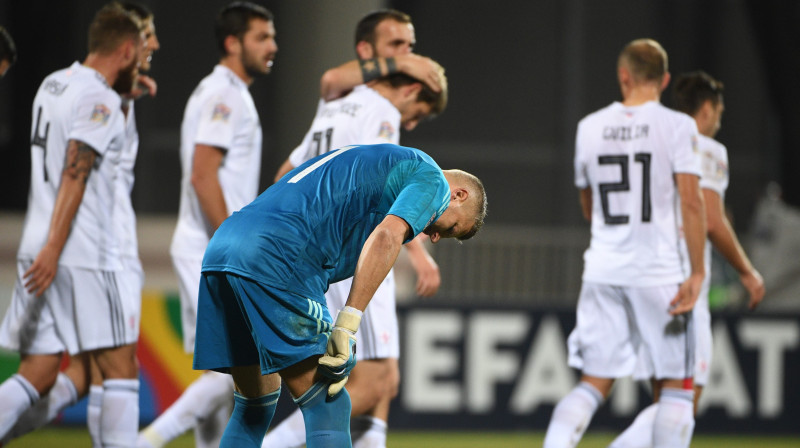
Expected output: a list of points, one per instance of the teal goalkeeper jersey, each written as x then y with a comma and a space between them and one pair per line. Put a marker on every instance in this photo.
306, 231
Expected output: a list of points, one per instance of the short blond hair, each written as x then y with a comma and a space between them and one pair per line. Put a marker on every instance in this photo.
645, 58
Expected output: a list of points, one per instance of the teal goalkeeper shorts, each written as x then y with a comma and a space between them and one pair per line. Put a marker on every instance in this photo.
241, 322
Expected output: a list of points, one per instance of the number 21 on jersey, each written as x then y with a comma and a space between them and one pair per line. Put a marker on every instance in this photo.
625, 185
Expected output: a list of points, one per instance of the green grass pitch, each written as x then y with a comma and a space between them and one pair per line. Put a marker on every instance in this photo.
76, 436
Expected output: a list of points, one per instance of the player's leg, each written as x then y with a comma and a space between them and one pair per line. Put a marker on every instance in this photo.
30, 327
255, 400
119, 411
327, 419
640, 433
574, 412
202, 400
374, 386
69, 387
35, 377
95, 405
671, 341
370, 400
600, 345
107, 327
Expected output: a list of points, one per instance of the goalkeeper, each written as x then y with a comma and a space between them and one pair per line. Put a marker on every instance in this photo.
261, 311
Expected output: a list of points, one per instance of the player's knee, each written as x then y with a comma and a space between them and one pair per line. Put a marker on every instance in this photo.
40, 371
393, 380
118, 362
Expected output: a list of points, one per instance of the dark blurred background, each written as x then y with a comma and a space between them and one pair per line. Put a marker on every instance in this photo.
521, 75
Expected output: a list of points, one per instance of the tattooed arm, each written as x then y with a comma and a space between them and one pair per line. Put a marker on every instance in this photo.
77, 166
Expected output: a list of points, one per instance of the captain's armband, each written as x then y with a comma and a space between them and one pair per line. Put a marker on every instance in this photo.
370, 69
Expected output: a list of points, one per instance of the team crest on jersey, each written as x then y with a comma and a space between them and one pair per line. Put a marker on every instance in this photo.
100, 114
221, 112
386, 131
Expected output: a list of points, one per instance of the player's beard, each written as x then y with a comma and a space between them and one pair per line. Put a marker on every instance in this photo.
126, 77
254, 66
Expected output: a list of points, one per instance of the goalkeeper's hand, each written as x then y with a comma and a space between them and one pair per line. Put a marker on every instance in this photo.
340, 356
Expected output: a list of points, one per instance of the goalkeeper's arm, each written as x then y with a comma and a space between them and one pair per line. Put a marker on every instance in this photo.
376, 259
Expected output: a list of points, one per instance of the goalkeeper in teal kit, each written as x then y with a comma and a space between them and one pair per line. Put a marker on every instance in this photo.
261, 312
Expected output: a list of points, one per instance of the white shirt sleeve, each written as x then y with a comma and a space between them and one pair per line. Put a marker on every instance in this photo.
96, 115
218, 119
685, 151
715, 167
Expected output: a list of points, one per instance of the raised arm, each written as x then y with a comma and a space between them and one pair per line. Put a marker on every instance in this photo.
694, 228
724, 239
205, 180
338, 81
78, 165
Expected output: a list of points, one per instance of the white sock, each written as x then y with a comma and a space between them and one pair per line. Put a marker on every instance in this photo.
208, 432
290, 433
62, 394
93, 409
368, 432
572, 415
198, 402
119, 417
640, 433
17, 395
674, 422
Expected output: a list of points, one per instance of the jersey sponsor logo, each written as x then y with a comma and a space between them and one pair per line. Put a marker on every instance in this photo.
386, 131
221, 112
54, 87
100, 113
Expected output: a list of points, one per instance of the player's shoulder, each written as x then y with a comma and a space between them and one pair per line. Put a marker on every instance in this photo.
372, 100
708, 144
600, 114
221, 82
80, 84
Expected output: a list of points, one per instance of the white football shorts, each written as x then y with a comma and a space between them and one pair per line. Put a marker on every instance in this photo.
188, 272
703, 344
613, 322
378, 335
82, 310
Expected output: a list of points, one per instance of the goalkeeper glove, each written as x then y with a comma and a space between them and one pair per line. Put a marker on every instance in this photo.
340, 355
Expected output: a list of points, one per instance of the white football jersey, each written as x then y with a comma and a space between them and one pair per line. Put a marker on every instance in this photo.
628, 156
220, 113
75, 103
363, 117
124, 216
